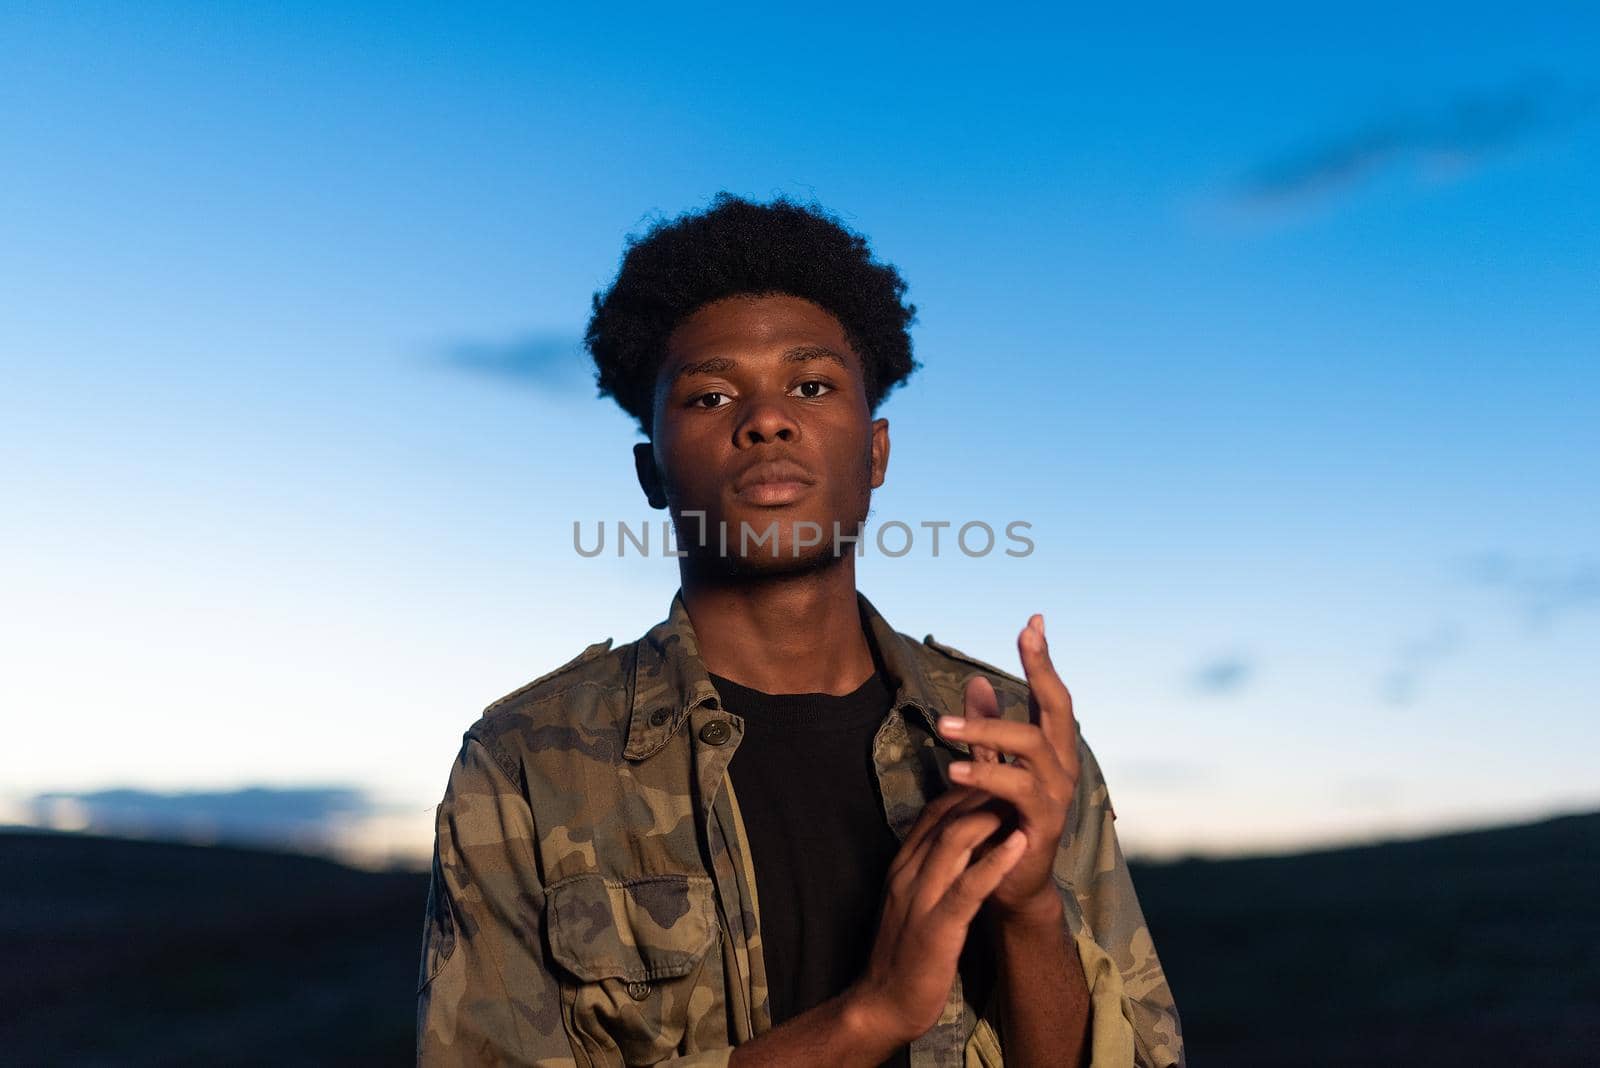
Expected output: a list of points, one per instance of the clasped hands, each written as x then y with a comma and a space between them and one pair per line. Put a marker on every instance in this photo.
1038, 786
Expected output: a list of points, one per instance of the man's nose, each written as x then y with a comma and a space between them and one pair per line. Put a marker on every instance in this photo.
766, 421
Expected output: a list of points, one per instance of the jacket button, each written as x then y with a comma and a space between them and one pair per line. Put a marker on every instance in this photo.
716, 732
638, 991
660, 716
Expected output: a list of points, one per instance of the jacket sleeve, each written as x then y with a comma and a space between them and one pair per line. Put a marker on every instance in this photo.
485, 994
1133, 1019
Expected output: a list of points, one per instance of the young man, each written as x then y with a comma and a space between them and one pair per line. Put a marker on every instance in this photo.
755, 835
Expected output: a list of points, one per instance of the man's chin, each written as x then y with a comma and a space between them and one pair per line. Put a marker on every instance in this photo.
763, 542
771, 533
769, 560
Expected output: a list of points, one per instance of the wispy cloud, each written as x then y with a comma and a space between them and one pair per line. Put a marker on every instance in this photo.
1223, 675
311, 819
1458, 135
1415, 657
1541, 591
543, 360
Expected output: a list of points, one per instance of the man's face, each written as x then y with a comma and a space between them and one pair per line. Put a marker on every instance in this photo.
761, 422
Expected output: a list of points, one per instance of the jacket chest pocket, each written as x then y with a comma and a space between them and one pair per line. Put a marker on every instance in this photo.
640, 978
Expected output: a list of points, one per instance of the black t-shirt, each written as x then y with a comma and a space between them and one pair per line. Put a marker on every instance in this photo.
819, 840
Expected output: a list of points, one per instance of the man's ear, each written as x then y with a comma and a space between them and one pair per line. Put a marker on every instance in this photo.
644, 464
880, 451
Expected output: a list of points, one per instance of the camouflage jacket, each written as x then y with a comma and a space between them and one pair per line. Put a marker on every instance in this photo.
593, 901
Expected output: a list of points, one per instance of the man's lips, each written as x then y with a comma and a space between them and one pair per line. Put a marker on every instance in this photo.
774, 482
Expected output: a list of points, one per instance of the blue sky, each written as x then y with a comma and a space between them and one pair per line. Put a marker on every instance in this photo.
1279, 327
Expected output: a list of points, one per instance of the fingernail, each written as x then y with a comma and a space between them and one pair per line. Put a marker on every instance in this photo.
961, 769
950, 724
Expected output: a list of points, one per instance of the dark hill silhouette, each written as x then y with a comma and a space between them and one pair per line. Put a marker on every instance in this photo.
1481, 947
133, 952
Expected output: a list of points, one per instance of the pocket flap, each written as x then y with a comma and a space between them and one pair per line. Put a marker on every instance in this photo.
641, 929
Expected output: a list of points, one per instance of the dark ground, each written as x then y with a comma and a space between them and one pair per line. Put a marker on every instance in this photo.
1473, 948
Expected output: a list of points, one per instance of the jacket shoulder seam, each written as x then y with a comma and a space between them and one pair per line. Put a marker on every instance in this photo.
498, 723
972, 661
592, 652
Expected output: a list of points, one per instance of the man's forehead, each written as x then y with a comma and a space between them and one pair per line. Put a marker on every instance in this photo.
683, 367
719, 336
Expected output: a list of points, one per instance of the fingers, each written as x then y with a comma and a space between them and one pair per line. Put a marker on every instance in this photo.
981, 703
937, 815
948, 851
1049, 700
932, 900
968, 890
1022, 740
1022, 787
927, 819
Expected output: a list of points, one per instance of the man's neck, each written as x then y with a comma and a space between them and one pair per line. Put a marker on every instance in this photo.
787, 634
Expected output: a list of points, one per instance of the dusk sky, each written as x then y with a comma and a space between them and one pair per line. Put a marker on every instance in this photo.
1280, 329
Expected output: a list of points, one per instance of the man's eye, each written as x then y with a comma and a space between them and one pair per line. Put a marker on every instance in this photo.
713, 393
813, 382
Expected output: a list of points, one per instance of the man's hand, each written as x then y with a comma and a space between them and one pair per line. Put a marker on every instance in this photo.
935, 889
931, 895
1041, 782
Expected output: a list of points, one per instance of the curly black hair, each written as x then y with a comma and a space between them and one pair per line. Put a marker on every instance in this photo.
738, 247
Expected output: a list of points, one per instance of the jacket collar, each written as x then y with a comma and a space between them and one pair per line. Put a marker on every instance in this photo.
670, 680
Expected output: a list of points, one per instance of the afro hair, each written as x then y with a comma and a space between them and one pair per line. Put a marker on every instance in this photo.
738, 247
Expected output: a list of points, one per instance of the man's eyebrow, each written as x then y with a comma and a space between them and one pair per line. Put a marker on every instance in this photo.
807, 353
714, 365
798, 354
